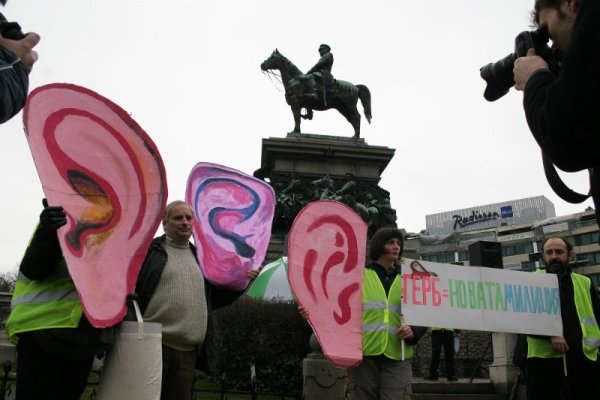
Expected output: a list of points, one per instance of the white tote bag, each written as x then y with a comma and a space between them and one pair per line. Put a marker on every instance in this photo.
133, 366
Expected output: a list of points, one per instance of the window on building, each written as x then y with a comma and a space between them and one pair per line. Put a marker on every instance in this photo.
593, 258
584, 223
508, 251
528, 266
445, 258
463, 256
595, 280
522, 248
586, 238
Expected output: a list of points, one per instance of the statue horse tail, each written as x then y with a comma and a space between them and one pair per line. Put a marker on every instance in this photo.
365, 98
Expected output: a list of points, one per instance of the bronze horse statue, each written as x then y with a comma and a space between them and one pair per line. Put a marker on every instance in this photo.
341, 95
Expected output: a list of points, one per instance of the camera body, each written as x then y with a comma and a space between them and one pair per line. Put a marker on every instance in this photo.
10, 30
499, 75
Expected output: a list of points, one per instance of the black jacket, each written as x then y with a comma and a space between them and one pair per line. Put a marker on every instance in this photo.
216, 297
14, 84
563, 112
151, 271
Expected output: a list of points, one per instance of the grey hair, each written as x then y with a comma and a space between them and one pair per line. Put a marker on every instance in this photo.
170, 207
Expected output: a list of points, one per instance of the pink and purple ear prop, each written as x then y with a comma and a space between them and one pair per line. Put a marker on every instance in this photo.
98, 163
232, 225
326, 256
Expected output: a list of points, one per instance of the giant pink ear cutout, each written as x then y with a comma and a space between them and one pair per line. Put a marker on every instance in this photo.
326, 256
98, 163
232, 225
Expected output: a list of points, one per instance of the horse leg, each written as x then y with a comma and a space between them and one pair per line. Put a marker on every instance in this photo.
356, 122
296, 113
353, 116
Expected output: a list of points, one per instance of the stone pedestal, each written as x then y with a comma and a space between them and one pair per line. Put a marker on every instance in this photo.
502, 371
303, 168
321, 379
306, 155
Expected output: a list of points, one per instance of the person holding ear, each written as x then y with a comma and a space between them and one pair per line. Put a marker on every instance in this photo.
386, 370
56, 344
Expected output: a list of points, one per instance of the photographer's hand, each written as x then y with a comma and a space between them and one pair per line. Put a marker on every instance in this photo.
527, 66
23, 48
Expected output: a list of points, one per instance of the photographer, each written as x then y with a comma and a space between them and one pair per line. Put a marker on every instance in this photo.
563, 110
16, 60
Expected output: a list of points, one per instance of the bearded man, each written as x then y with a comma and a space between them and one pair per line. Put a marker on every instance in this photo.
567, 366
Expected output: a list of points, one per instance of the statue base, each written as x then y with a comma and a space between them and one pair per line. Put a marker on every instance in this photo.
310, 156
321, 379
329, 137
303, 168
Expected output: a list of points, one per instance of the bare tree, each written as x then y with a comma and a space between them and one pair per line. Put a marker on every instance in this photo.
7, 281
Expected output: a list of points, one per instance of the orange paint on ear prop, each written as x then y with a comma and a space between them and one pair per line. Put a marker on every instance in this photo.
97, 163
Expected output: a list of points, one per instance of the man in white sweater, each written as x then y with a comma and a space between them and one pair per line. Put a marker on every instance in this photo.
172, 291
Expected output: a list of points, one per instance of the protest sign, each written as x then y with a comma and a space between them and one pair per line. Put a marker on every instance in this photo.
479, 298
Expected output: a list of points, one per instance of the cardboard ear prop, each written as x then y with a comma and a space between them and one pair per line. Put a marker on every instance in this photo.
326, 257
97, 163
232, 225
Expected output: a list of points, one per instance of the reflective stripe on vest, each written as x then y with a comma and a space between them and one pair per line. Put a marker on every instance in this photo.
382, 318
583, 304
542, 348
49, 303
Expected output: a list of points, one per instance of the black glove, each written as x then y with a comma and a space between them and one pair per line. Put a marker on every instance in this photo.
52, 218
43, 253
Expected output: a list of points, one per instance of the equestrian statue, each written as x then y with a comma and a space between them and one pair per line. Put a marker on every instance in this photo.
318, 90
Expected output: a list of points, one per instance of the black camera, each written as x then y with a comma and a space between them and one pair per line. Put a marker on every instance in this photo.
10, 30
499, 75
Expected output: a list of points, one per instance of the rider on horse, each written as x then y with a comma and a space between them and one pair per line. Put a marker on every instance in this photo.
321, 72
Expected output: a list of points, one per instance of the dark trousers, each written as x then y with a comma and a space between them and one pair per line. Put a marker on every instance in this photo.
441, 338
42, 376
546, 378
177, 374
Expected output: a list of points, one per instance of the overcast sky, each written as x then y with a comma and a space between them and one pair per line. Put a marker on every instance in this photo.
189, 74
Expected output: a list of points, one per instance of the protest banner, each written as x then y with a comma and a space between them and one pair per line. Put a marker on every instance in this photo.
479, 298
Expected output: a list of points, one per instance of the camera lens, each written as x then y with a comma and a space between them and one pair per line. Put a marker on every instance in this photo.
499, 77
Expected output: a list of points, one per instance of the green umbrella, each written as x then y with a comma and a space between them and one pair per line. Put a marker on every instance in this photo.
272, 282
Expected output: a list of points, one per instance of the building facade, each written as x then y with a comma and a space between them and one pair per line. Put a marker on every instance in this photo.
520, 226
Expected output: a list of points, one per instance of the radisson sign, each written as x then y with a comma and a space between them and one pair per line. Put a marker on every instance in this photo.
475, 218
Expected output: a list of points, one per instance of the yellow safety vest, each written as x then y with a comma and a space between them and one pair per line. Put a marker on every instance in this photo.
381, 318
49, 303
542, 348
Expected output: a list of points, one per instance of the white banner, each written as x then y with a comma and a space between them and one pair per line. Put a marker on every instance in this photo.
478, 298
